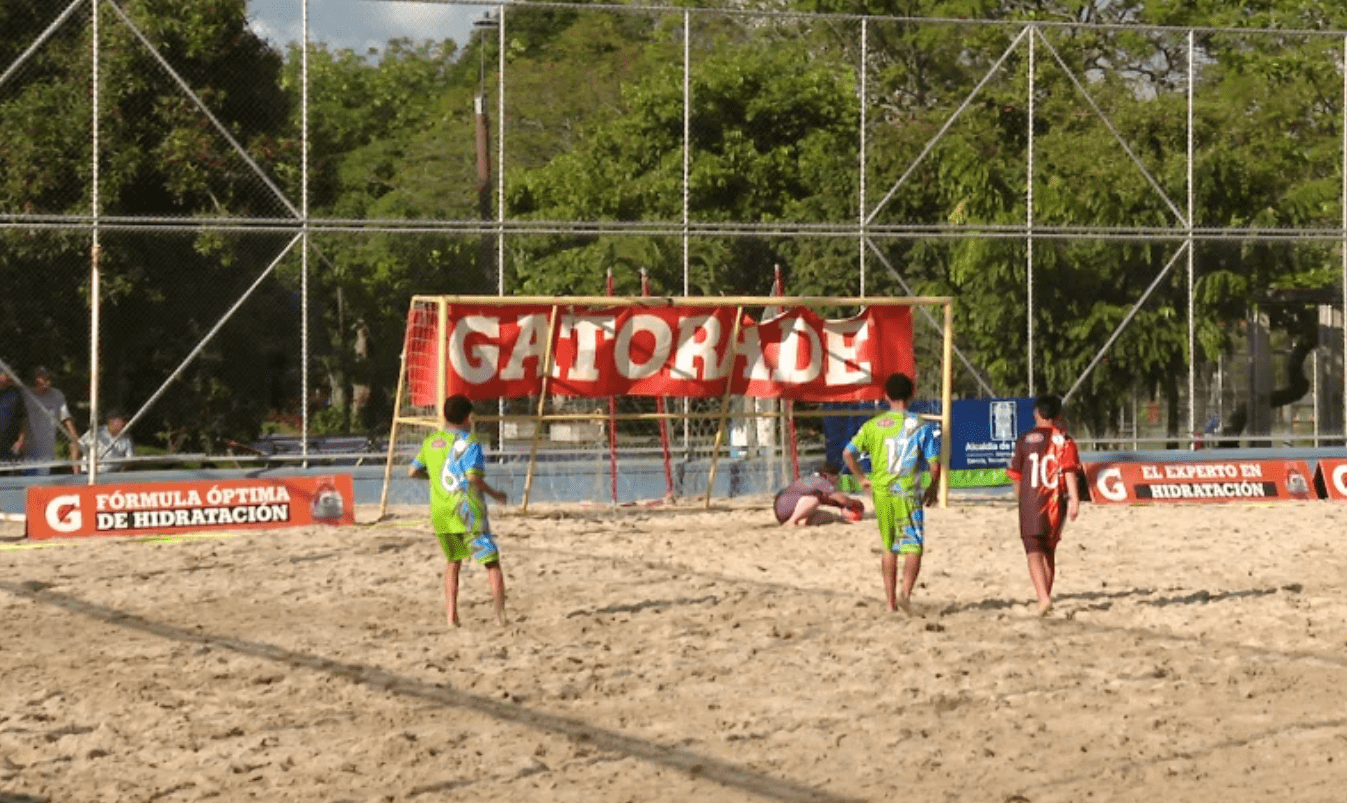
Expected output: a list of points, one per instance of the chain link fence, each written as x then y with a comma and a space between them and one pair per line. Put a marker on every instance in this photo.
220, 236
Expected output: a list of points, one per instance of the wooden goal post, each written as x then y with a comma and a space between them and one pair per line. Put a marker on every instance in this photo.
711, 349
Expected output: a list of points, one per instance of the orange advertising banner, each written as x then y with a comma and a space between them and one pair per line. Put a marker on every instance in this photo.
1333, 474
154, 508
1199, 481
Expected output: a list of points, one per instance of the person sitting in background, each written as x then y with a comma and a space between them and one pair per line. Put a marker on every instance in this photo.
112, 445
47, 410
798, 503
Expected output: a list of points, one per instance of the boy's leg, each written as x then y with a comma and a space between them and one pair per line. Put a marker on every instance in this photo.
888, 567
451, 590
497, 580
910, 525
1050, 550
820, 517
1042, 577
911, 568
890, 519
803, 509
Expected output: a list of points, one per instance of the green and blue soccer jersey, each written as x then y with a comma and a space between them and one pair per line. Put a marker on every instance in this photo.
901, 447
449, 457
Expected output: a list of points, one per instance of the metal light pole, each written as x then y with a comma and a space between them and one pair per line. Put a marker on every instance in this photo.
487, 253
486, 250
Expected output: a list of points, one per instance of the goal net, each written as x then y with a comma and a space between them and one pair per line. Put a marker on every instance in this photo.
636, 400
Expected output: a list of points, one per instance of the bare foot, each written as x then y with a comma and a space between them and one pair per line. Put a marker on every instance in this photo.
1044, 607
453, 621
905, 605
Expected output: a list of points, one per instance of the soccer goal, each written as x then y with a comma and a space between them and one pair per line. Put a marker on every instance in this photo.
616, 400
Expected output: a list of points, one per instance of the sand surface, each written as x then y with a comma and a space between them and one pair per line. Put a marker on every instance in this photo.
672, 653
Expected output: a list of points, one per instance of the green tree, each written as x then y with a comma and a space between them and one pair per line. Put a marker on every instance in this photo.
369, 117
393, 140
1266, 155
769, 127
159, 157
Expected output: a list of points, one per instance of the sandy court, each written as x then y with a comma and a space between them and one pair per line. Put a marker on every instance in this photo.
1197, 653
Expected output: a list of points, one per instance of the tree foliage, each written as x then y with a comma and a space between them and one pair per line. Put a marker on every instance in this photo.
771, 131
159, 156
1267, 141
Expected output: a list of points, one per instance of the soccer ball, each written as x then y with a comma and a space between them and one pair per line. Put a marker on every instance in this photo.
853, 511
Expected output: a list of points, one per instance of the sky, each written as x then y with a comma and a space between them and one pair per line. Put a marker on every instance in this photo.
361, 24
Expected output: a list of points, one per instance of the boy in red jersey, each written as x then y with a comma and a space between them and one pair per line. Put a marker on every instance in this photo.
1043, 470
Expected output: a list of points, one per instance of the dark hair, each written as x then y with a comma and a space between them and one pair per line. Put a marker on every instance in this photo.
829, 467
899, 387
457, 408
116, 412
1049, 405
41, 371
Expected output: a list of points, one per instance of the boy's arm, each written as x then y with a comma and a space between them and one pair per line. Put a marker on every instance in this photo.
74, 438
417, 469
479, 482
834, 497
84, 444
931, 452
838, 499
933, 490
1016, 468
21, 414
1072, 495
849, 456
1071, 467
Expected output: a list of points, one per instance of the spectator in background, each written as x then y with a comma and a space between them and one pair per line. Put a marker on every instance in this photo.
13, 419
112, 445
47, 410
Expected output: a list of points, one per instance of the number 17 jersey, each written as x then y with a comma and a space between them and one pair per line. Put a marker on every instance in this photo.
1043, 456
901, 446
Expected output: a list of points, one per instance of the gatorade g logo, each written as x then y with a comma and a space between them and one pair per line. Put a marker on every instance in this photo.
63, 514
1339, 475
1110, 484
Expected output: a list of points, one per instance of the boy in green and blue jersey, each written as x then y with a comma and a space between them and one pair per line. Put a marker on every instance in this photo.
453, 461
901, 447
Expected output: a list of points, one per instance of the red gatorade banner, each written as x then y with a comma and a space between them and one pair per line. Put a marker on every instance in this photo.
498, 351
1333, 474
143, 508
1204, 481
